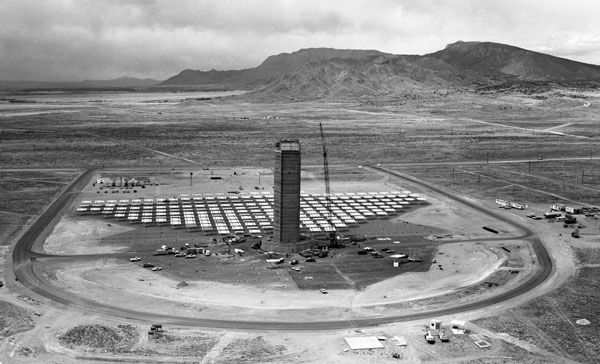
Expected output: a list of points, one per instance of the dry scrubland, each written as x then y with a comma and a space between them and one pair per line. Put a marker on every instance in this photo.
459, 127
549, 322
25, 194
230, 132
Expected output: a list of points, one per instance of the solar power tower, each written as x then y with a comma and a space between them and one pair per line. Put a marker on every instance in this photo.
286, 197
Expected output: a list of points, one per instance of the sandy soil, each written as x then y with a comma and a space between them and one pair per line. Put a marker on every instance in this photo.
234, 179
108, 277
464, 264
457, 220
73, 236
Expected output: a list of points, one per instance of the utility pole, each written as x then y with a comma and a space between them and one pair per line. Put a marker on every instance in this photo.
452, 172
487, 158
191, 174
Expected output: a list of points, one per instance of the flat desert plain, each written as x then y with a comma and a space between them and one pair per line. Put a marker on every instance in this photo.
536, 149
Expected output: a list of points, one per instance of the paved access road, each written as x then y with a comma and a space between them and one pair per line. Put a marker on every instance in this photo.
26, 274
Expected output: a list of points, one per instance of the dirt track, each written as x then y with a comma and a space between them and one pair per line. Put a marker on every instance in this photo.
355, 321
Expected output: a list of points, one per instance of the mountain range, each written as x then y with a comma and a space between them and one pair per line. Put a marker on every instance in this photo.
318, 72
323, 72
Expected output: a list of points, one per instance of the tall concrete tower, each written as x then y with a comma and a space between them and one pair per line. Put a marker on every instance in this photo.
286, 199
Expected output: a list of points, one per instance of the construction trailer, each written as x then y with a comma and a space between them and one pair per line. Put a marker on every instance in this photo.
552, 214
502, 203
573, 210
518, 206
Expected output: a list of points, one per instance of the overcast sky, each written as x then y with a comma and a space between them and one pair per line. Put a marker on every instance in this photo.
61, 40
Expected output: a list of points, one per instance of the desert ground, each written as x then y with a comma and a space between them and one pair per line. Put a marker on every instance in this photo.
535, 149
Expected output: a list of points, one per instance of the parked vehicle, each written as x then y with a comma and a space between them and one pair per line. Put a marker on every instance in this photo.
155, 269
430, 339
323, 290
443, 336
135, 259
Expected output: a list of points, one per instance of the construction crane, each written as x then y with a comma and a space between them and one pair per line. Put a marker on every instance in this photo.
332, 233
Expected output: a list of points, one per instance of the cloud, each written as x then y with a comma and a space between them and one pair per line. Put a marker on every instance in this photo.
90, 39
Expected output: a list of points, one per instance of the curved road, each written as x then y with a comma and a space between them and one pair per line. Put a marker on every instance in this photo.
25, 273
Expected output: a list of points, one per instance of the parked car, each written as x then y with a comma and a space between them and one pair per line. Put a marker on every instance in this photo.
135, 259
430, 339
323, 290
155, 269
443, 336
311, 260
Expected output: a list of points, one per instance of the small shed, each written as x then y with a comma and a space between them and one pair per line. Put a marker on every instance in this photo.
458, 326
435, 324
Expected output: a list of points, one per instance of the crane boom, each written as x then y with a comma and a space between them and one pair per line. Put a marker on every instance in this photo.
326, 170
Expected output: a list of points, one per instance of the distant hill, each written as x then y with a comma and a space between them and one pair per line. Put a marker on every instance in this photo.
494, 59
321, 72
195, 77
347, 77
273, 67
122, 82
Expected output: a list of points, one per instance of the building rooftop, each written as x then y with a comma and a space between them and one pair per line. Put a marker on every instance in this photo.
288, 145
